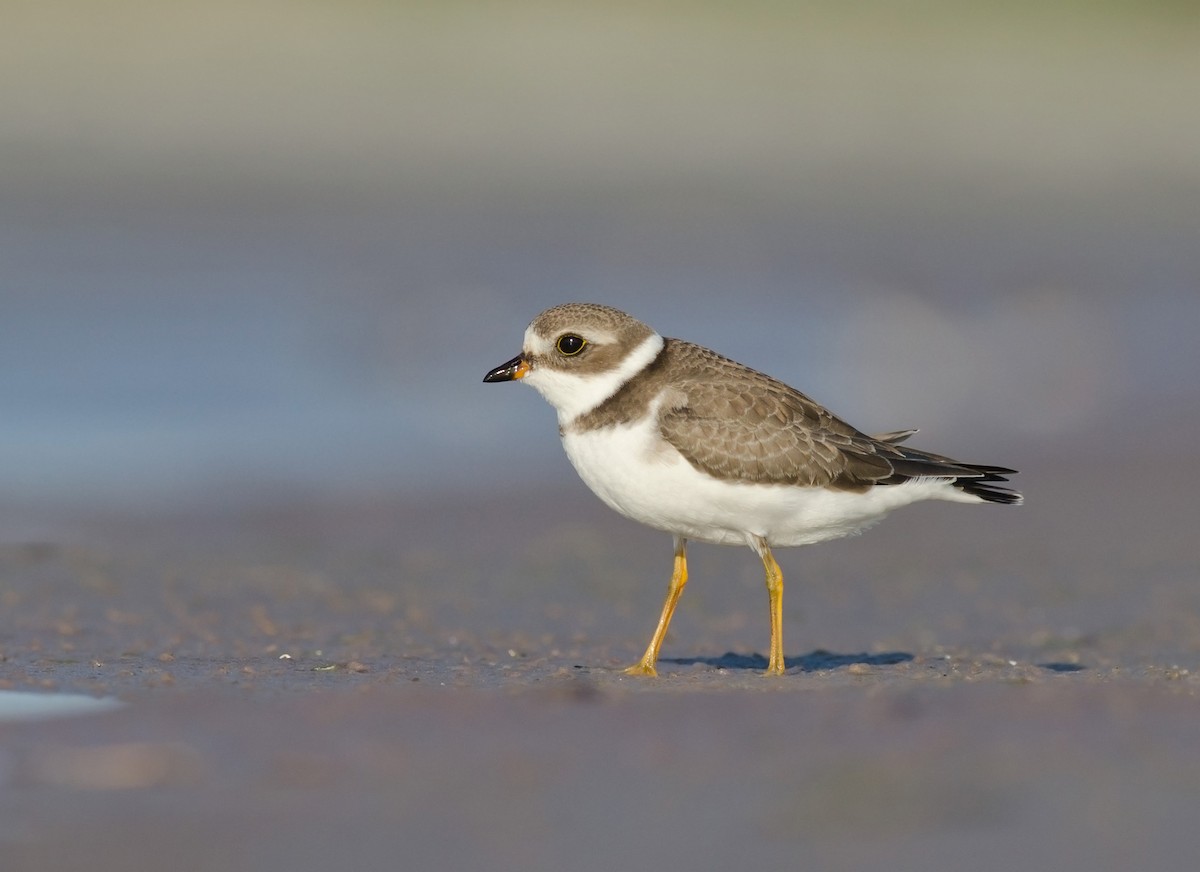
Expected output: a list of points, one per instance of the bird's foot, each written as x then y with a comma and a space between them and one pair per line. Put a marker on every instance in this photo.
642, 667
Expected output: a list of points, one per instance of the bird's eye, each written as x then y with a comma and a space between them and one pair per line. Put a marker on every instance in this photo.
569, 344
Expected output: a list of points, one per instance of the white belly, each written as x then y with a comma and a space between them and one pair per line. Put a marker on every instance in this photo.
632, 470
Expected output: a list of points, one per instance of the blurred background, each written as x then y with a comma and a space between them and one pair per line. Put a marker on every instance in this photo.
263, 252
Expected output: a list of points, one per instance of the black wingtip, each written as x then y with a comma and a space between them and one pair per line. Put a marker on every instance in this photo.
983, 485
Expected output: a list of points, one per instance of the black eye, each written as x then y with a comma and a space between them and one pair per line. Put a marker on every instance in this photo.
570, 344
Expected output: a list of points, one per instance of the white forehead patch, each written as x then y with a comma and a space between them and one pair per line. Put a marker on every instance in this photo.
534, 343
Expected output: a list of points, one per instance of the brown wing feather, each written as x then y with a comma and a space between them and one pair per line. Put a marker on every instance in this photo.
735, 423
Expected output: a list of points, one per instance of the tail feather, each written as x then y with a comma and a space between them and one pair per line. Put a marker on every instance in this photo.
975, 479
983, 485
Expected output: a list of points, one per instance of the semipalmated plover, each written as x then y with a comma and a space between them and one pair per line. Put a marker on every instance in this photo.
680, 438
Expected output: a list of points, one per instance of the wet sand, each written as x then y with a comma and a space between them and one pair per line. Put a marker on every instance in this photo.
405, 685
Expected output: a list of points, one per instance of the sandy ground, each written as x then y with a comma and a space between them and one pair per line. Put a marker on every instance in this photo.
402, 685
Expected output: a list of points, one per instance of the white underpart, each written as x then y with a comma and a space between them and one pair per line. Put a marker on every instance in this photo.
633, 470
572, 394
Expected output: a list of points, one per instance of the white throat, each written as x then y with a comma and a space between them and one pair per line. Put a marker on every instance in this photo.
575, 394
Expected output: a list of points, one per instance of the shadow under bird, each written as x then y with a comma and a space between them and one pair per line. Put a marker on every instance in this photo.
684, 440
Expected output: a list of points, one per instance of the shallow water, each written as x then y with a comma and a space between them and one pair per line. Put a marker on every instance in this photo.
16, 705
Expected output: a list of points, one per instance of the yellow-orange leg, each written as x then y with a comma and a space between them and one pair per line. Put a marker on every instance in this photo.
679, 577
775, 664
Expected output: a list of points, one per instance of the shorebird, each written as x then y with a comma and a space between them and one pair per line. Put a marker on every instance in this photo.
675, 436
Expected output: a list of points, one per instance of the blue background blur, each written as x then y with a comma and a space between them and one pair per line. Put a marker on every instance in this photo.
265, 251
